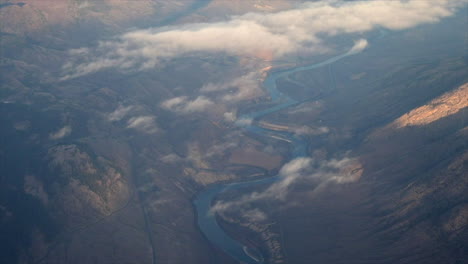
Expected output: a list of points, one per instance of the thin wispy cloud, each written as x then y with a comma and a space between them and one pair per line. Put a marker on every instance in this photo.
359, 46
119, 113
310, 131
61, 133
144, 124
242, 122
241, 88
218, 148
304, 29
221, 148
171, 158
229, 116
288, 175
254, 215
297, 170
183, 105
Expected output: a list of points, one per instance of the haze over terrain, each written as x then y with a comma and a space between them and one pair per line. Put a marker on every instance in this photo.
233, 131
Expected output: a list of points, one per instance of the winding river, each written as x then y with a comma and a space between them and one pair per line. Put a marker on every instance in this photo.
206, 220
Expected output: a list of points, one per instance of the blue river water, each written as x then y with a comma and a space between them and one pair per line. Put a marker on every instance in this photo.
203, 201
12, 4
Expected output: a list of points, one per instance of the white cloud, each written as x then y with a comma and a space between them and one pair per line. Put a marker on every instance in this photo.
244, 87
254, 215
144, 124
299, 169
61, 133
244, 121
359, 46
119, 113
199, 104
273, 35
221, 148
172, 158
306, 130
278, 190
229, 116
183, 105
174, 102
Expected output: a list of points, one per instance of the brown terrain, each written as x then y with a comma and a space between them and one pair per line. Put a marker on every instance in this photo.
80, 184
403, 120
405, 201
410, 204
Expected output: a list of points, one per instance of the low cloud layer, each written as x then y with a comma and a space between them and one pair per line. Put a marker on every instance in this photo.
61, 133
144, 124
119, 113
244, 87
229, 92
359, 46
268, 36
310, 131
183, 105
300, 169
197, 156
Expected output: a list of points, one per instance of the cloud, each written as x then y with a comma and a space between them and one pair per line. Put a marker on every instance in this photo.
245, 87
273, 35
359, 46
229, 116
289, 173
119, 113
199, 156
307, 107
174, 102
197, 105
222, 148
299, 169
144, 124
61, 133
172, 158
278, 190
254, 215
242, 122
183, 105
306, 130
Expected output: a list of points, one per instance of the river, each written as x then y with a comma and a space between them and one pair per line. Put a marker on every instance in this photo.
206, 220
